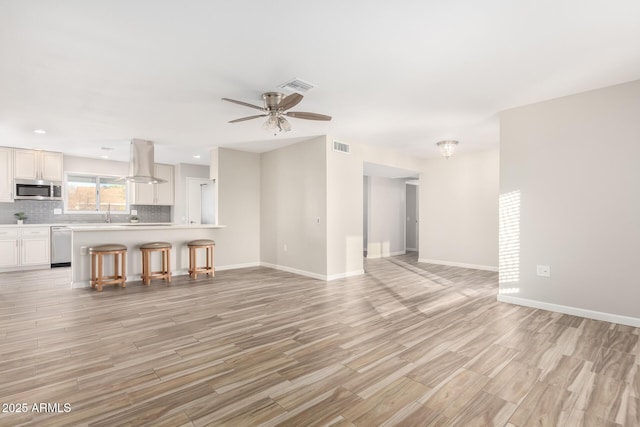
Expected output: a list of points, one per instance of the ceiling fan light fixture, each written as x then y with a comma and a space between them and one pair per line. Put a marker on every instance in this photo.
271, 123
447, 148
283, 124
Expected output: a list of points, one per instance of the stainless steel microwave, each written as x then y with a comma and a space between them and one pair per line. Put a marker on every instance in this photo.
26, 189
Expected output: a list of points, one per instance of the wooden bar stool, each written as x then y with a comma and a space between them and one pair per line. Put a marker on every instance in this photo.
194, 245
119, 276
165, 250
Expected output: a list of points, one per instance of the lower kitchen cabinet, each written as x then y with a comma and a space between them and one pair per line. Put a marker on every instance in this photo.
9, 247
23, 248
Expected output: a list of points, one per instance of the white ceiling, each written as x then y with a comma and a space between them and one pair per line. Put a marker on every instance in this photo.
402, 74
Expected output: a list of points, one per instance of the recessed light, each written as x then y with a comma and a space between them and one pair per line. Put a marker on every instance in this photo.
197, 156
107, 148
40, 131
104, 157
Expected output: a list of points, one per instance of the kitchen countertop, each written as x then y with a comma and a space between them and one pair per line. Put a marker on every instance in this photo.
88, 226
139, 226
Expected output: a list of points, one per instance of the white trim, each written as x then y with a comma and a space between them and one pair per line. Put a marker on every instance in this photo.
386, 256
459, 264
575, 311
236, 266
345, 275
294, 270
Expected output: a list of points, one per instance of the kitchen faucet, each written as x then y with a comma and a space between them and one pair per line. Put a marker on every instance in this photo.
108, 214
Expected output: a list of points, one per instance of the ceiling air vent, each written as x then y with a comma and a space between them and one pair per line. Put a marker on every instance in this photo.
341, 147
297, 85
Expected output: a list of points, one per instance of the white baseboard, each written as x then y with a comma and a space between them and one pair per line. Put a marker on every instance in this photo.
459, 264
294, 270
345, 275
574, 311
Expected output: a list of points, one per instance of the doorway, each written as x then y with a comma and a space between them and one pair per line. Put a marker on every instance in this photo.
385, 216
201, 201
412, 216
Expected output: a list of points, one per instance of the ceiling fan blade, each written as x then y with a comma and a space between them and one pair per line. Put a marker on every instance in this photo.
290, 101
248, 118
307, 116
243, 103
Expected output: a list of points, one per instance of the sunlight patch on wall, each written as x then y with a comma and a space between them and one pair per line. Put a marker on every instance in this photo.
509, 240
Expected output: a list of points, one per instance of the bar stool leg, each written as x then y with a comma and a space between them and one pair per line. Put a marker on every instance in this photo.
123, 274
99, 273
93, 270
145, 267
167, 253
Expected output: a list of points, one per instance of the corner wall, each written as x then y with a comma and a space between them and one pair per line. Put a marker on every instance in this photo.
459, 210
294, 208
569, 168
345, 202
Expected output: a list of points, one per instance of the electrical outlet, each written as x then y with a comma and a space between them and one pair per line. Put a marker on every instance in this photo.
84, 250
57, 211
134, 212
544, 271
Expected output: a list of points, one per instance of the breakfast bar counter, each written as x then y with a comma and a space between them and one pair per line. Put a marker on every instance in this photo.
133, 235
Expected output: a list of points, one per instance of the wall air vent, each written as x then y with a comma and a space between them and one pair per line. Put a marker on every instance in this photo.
341, 147
297, 85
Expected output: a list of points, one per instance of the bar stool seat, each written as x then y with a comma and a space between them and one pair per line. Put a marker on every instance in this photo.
119, 276
208, 269
165, 250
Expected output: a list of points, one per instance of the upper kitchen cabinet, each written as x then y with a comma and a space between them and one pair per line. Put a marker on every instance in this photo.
6, 174
155, 194
36, 164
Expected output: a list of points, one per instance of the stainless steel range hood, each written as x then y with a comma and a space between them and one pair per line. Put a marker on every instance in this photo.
141, 164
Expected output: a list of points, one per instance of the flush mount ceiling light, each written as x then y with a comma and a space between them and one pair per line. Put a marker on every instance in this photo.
447, 148
40, 131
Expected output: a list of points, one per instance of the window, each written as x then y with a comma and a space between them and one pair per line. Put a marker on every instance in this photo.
89, 193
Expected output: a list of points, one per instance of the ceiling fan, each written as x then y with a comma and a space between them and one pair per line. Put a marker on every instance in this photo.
275, 108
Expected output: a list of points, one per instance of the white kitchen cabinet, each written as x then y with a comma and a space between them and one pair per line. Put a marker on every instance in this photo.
9, 247
37, 164
155, 194
34, 246
23, 248
6, 174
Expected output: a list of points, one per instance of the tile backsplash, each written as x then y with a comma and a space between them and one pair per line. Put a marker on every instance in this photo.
41, 212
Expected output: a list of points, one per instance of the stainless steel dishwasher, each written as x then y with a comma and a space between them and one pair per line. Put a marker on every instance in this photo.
60, 247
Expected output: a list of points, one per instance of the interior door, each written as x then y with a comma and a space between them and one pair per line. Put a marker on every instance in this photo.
201, 207
412, 217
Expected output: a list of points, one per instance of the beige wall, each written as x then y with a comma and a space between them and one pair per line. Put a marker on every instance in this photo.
238, 244
300, 184
459, 210
294, 207
574, 162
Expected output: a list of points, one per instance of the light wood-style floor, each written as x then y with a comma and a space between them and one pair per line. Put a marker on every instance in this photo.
406, 344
